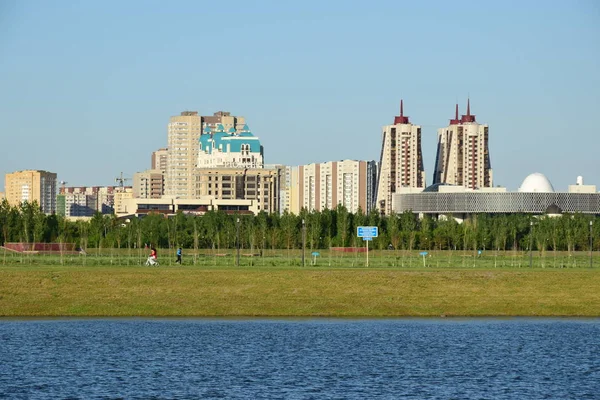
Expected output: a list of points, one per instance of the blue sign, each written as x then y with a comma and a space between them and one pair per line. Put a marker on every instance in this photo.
423, 253
367, 231
367, 238
315, 253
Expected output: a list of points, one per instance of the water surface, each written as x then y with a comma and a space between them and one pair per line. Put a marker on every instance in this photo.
300, 359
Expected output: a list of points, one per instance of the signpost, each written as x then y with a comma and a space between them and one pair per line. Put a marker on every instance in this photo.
423, 253
367, 233
315, 254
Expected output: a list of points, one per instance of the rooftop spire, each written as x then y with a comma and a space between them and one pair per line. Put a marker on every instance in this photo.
455, 121
401, 119
468, 117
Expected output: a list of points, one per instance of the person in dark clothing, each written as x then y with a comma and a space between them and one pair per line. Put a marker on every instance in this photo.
178, 261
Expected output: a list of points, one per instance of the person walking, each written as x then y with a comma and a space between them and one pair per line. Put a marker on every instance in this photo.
178, 261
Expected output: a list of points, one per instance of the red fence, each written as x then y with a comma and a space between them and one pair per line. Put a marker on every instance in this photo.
21, 247
349, 249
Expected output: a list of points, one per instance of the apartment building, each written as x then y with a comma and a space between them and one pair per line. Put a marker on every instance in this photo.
261, 185
463, 156
183, 134
30, 186
149, 184
401, 160
320, 186
158, 160
231, 148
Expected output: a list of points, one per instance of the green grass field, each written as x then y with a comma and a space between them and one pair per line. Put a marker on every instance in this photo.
114, 283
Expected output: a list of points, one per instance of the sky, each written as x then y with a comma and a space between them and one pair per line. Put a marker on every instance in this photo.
87, 88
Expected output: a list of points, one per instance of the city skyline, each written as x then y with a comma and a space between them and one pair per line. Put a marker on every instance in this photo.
108, 83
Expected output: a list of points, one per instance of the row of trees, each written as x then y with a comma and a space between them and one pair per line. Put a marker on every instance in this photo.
329, 228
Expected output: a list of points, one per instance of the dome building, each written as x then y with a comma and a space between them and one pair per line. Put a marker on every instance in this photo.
536, 183
536, 195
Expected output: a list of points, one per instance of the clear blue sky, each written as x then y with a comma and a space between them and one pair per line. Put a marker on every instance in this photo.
87, 88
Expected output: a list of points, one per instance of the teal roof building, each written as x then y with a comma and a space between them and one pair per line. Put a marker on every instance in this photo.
229, 148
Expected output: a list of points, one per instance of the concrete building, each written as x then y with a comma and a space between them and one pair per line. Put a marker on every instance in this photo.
463, 157
261, 185
536, 195
102, 195
183, 134
159, 159
30, 186
149, 184
401, 162
122, 196
171, 206
231, 148
76, 205
326, 185
182, 137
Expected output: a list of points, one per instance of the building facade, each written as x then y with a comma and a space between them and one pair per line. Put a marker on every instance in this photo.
463, 156
182, 138
76, 204
231, 148
536, 195
159, 159
316, 187
149, 184
261, 185
32, 185
103, 196
183, 134
401, 162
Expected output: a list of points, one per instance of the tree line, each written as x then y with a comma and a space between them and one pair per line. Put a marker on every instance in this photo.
319, 230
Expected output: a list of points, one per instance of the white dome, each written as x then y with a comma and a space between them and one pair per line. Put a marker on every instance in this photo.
536, 182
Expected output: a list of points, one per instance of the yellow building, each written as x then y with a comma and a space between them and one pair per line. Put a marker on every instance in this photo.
30, 186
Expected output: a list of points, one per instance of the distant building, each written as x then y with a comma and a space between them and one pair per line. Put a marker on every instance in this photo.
463, 156
316, 187
401, 163
169, 206
149, 184
536, 195
100, 198
262, 185
76, 204
32, 185
231, 148
121, 200
159, 160
183, 148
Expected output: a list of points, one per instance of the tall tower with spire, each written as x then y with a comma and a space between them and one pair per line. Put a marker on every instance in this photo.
463, 156
401, 161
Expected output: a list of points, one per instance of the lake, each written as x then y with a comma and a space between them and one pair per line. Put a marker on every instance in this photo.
440, 358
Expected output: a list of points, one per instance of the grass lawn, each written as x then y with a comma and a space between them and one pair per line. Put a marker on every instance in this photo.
40, 290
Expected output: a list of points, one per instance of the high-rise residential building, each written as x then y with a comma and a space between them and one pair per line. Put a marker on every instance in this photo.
234, 148
401, 161
149, 184
76, 204
259, 184
159, 159
326, 185
463, 156
183, 148
30, 186
101, 198
183, 134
